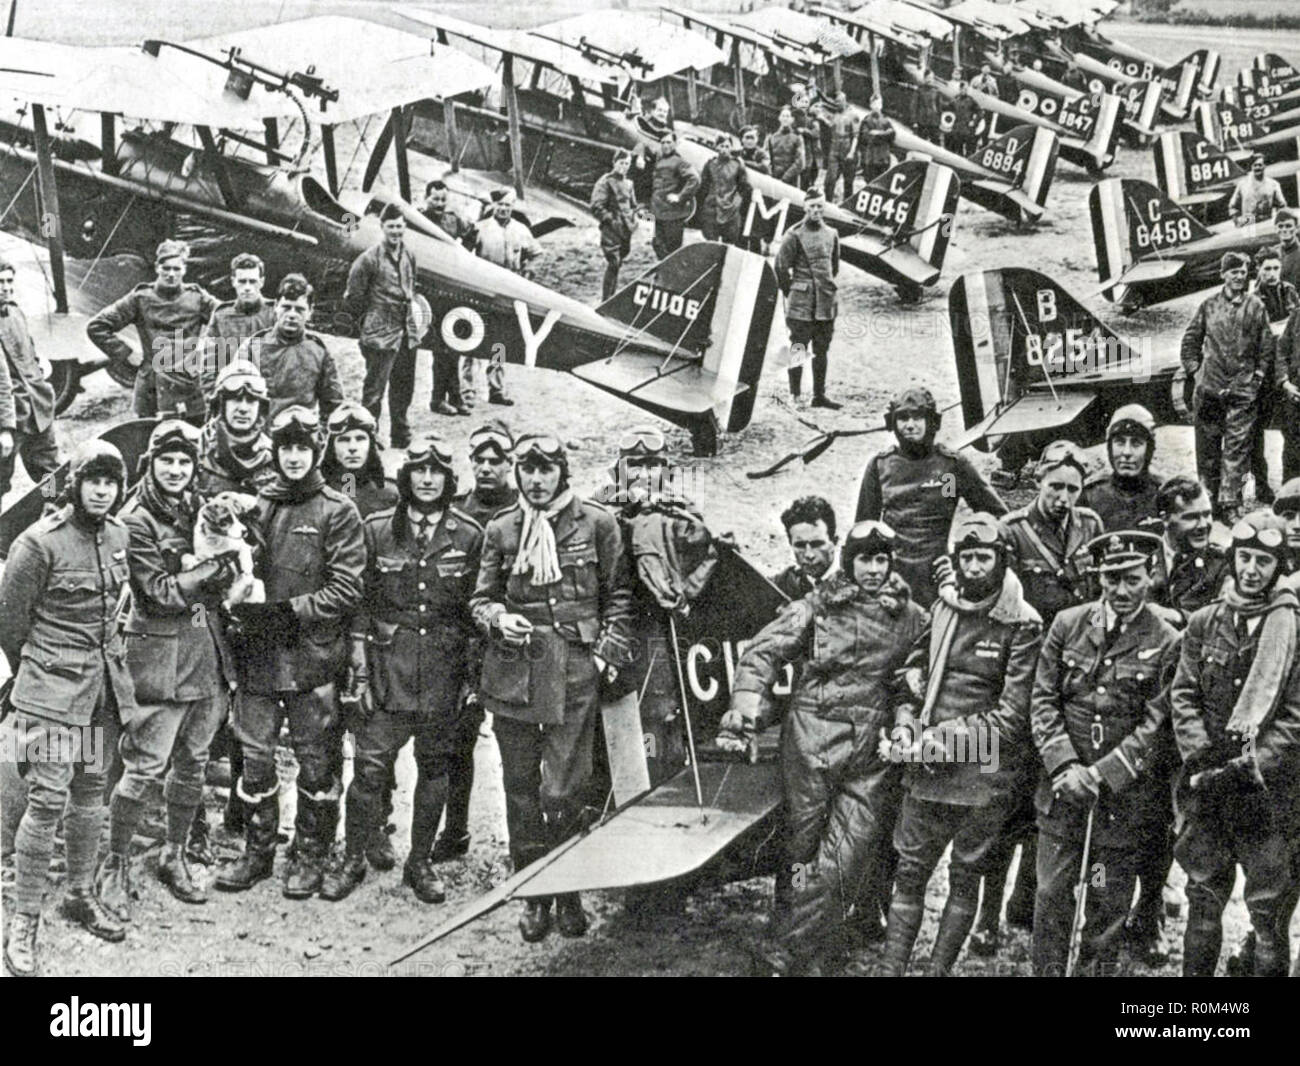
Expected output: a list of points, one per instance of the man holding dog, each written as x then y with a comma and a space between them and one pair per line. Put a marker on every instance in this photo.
179, 665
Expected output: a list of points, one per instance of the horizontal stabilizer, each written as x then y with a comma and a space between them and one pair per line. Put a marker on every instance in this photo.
1154, 270
1031, 413
868, 252
682, 385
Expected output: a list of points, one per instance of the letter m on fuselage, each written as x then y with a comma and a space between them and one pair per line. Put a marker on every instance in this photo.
767, 219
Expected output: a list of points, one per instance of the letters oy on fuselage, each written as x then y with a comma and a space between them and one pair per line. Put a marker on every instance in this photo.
463, 330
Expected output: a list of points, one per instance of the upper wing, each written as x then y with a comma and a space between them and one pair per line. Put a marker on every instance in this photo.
170, 87
398, 68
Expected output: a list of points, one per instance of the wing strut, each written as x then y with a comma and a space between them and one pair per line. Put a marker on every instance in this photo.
51, 220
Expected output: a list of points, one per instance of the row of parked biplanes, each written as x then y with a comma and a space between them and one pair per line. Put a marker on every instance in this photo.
289, 140
278, 139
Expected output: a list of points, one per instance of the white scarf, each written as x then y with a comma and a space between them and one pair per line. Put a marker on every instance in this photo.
537, 552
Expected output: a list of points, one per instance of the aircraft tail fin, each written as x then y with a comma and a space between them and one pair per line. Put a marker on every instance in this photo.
1103, 138
1025, 157
916, 201
1225, 124
1181, 80
1141, 101
1187, 163
1269, 66
714, 303
1133, 220
1016, 331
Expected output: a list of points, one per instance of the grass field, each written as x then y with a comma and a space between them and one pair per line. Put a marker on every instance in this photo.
1258, 8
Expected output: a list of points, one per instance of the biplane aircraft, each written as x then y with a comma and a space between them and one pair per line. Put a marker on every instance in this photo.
686, 341
1010, 175
1200, 176
1227, 126
1150, 250
1032, 362
1141, 97
893, 61
1184, 81
897, 228
1010, 26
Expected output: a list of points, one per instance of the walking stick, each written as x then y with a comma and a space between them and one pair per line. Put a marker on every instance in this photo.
1080, 900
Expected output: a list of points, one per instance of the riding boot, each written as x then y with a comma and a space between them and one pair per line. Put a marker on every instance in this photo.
1202, 940
261, 820
904, 923
317, 822
958, 916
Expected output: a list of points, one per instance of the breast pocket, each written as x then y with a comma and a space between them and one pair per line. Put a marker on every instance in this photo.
1217, 674
394, 575
578, 566
1076, 671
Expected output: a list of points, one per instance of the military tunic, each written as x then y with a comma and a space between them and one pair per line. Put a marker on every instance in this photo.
297, 371
543, 694
786, 152
229, 327
917, 498
169, 328
1044, 556
1237, 823
1122, 503
1094, 703
419, 638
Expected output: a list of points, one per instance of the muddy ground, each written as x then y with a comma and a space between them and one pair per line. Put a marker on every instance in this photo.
880, 347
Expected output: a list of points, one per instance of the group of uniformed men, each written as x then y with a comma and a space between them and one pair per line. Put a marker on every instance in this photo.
129, 651
1087, 677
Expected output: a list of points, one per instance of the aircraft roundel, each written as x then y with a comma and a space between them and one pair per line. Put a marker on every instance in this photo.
1027, 101
463, 329
946, 121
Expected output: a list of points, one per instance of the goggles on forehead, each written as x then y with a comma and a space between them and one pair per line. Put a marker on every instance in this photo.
489, 438
644, 441
174, 430
1062, 453
303, 417
1245, 535
350, 416
429, 450
543, 446
244, 386
980, 536
873, 529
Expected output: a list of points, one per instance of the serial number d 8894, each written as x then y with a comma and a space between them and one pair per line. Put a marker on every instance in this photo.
1003, 157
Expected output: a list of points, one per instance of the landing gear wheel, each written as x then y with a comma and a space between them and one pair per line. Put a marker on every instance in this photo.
65, 377
704, 437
